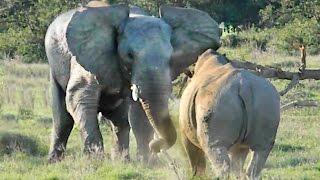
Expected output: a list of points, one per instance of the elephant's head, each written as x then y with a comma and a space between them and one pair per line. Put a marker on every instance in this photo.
152, 51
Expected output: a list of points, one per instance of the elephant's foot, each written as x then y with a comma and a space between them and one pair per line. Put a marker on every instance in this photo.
120, 155
143, 152
153, 161
94, 150
156, 145
55, 156
143, 157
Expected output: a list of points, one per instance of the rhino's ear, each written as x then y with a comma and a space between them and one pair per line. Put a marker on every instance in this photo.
92, 34
194, 31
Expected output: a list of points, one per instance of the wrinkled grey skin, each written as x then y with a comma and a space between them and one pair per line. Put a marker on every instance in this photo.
96, 54
224, 112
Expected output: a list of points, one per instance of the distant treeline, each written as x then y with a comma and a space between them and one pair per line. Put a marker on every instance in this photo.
24, 22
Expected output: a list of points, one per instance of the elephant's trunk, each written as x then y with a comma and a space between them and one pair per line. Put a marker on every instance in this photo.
158, 115
151, 84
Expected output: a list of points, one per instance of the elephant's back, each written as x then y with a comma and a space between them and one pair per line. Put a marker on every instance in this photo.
57, 48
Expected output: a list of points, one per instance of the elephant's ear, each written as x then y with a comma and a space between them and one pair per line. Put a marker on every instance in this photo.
91, 35
194, 31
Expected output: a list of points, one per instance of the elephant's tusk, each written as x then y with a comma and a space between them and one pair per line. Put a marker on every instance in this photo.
135, 92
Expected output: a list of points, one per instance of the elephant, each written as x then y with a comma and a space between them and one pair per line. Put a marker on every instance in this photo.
224, 113
119, 61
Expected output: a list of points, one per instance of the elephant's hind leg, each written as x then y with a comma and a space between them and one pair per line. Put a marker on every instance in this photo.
196, 157
62, 123
238, 156
257, 162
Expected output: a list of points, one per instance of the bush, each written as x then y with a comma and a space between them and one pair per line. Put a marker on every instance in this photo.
298, 32
25, 113
282, 39
24, 26
12, 142
231, 40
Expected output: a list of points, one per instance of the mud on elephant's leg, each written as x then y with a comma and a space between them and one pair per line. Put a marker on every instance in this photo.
82, 104
62, 123
121, 131
141, 129
85, 114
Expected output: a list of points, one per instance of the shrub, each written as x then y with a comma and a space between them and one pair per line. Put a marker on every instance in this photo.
298, 32
24, 26
25, 113
282, 39
231, 40
12, 142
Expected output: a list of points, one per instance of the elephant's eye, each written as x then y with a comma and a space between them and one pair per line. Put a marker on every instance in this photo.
130, 55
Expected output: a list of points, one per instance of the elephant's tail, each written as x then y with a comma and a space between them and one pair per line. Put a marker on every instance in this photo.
246, 95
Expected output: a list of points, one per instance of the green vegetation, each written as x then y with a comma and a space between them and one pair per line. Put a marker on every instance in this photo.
265, 31
25, 110
267, 24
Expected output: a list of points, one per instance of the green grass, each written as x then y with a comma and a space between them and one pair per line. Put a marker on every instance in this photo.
25, 110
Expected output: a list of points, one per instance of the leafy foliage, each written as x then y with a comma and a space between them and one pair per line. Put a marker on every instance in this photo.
24, 23
281, 40
279, 13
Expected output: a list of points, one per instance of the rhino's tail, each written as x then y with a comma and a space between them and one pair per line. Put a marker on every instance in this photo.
246, 95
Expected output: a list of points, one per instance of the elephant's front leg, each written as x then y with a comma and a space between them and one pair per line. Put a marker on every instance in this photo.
82, 105
121, 132
82, 97
141, 129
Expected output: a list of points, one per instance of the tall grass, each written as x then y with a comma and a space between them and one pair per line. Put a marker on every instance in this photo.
25, 110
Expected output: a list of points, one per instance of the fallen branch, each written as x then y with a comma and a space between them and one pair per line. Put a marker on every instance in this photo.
305, 103
277, 73
270, 72
291, 85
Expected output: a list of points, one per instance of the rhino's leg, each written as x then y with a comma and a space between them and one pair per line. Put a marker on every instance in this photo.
257, 162
62, 123
218, 155
196, 157
238, 156
141, 129
121, 130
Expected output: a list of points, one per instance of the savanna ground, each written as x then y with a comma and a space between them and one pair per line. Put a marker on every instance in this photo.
25, 110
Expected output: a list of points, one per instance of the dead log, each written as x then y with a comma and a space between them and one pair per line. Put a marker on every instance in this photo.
276, 73
270, 72
305, 103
